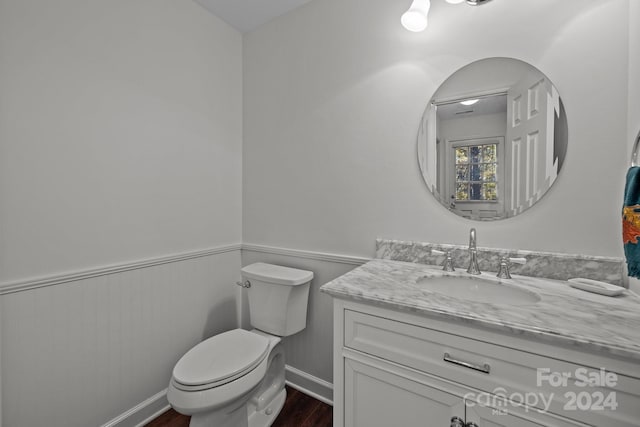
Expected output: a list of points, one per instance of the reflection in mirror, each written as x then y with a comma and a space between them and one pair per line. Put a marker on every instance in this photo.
492, 139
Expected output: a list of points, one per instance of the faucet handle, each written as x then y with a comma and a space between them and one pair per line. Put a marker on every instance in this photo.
505, 263
447, 264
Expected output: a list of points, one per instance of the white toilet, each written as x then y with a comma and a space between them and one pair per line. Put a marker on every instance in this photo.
236, 378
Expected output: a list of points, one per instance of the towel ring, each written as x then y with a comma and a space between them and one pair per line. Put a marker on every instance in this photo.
634, 153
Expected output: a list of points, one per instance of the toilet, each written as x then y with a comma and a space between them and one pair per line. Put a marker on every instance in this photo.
236, 378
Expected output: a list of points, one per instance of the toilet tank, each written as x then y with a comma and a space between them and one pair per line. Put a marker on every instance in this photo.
277, 297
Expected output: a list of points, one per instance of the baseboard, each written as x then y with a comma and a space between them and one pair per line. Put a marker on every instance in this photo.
153, 416
309, 385
151, 408
142, 413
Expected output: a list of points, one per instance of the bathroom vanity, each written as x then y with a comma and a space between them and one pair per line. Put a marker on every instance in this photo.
544, 355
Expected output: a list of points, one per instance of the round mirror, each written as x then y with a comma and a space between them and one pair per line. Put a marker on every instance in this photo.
492, 139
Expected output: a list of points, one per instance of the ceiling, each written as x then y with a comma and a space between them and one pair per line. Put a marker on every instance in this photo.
246, 15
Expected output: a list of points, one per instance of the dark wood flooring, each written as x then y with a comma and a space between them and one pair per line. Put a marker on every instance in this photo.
299, 410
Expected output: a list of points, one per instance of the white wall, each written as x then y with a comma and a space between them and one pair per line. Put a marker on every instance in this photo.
121, 131
634, 71
83, 353
482, 126
333, 95
120, 140
633, 123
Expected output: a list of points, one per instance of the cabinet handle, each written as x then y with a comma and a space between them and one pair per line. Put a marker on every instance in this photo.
482, 368
456, 422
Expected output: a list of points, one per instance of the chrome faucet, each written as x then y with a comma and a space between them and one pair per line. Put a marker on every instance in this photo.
473, 254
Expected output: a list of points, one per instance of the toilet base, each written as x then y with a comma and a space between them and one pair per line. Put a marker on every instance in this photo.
259, 407
236, 418
247, 415
265, 417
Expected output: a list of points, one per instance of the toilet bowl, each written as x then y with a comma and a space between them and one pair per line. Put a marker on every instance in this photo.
236, 378
214, 393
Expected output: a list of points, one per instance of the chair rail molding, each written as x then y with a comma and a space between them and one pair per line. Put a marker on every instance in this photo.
299, 253
40, 282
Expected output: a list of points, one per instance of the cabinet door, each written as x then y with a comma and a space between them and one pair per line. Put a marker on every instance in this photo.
377, 397
486, 416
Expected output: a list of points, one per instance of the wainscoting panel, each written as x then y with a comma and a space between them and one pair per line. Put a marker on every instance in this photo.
84, 352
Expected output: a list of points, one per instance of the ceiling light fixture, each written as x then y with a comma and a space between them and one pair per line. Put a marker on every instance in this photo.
477, 2
415, 19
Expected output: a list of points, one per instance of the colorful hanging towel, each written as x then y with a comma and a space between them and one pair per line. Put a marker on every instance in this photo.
631, 221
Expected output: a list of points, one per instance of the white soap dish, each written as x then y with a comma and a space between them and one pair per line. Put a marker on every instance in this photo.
596, 286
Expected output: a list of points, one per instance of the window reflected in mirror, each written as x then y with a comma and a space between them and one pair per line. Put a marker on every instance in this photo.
476, 178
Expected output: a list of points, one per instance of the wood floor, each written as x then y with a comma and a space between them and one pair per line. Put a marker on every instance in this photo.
299, 410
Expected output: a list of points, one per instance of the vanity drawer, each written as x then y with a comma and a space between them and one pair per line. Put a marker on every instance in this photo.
524, 376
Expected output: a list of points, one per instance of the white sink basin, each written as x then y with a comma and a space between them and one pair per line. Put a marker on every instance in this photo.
479, 289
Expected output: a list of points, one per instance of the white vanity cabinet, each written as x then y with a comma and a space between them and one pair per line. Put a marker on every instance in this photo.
396, 369
381, 394
385, 394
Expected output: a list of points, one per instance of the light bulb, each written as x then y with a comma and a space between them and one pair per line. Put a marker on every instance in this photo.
415, 19
469, 101
455, 1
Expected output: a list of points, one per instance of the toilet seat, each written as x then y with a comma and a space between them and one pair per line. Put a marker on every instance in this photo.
219, 360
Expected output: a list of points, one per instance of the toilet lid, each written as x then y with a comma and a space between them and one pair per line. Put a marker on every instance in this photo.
226, 355
277, 274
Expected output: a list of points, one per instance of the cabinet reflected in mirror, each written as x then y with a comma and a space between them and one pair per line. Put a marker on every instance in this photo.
492, 139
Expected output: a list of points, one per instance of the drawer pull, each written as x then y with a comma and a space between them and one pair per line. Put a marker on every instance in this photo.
482, 368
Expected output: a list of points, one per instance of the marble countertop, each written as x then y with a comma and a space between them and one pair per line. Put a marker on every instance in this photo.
563, 315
